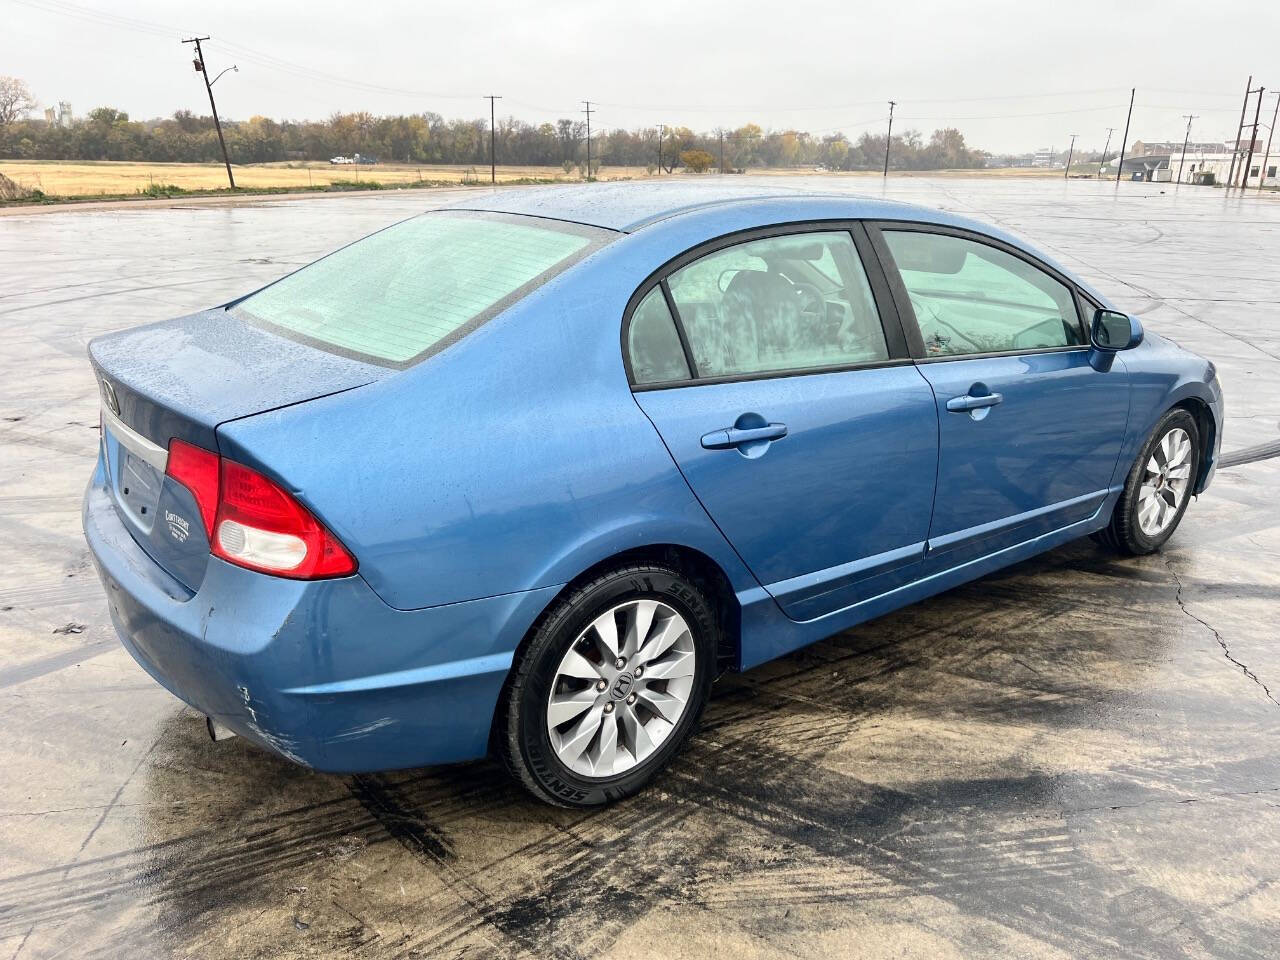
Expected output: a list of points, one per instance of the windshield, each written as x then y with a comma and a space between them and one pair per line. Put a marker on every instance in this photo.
415, 287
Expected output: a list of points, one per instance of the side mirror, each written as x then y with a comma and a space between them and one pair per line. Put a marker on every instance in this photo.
1111, 332
1115, 331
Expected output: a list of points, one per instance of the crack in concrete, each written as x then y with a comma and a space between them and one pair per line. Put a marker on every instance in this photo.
1226, 651
1228, 795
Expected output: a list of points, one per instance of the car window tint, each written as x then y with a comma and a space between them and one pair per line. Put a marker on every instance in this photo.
778, 304
396, 294
653, 343
970, 297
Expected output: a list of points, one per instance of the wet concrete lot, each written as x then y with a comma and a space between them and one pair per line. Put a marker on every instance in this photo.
1077, 757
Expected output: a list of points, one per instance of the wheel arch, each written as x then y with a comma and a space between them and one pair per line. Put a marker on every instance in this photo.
693, 563
1208, 428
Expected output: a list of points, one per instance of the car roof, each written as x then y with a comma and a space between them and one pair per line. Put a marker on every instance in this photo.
628, 207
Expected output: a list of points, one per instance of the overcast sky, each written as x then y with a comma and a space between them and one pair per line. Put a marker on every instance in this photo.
1012, 76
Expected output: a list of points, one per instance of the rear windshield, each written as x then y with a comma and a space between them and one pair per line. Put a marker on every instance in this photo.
411, 289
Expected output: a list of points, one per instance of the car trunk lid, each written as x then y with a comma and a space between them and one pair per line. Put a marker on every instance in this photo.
183, 378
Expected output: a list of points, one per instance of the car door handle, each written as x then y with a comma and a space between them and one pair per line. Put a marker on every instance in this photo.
966, 403
737, 436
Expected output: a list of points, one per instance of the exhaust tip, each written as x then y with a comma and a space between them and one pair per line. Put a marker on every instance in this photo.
218, 731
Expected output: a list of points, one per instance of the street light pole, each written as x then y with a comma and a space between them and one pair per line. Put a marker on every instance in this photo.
199, 65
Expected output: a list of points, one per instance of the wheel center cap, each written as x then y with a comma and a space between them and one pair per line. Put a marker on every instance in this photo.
622, 686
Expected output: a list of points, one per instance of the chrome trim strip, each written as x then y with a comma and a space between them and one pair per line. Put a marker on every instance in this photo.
134, 442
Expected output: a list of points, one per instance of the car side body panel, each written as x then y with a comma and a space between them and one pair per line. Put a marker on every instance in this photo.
1043, 458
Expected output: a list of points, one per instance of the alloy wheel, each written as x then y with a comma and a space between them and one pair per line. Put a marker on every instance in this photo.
1165, 482
621, 688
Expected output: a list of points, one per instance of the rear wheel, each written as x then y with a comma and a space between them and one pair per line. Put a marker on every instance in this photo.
610, 685
1158, 488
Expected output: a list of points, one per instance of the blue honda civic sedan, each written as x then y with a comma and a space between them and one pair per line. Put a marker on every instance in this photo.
527, 476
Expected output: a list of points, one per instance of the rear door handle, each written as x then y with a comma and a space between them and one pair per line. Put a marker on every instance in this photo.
966, 403
736, 436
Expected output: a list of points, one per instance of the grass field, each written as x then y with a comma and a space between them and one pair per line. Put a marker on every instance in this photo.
67, 179
108, 178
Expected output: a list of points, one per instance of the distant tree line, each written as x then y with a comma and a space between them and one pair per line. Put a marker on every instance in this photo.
108, 134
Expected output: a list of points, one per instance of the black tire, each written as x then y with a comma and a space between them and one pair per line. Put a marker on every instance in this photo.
1123, 533
521, 735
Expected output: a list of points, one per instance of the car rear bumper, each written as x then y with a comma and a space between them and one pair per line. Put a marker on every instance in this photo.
321, 672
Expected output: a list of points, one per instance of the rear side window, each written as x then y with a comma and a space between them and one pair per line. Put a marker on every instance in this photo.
413, 288
653, 343
779, 304
970, 298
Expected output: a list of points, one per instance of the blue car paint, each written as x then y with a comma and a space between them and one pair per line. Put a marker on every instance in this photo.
473, 486
322, 672
864, 437
1040, 459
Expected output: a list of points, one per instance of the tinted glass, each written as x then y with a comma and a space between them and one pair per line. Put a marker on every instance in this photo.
783, 303
972, 298
400, 292
653, 344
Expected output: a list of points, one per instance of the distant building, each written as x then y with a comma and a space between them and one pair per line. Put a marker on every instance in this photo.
59, 117
1044, 157
1218, 165
1211, 163
1141, 148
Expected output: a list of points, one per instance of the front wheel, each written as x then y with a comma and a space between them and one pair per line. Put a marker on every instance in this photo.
610, 685
1158, 488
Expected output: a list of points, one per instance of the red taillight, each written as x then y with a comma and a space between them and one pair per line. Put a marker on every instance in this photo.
252, 522
197, 470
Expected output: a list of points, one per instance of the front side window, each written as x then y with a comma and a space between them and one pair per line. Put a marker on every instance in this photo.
412, 288
782, 303
970, 298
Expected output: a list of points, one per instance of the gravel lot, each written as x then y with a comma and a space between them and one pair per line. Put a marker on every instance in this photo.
1077, 757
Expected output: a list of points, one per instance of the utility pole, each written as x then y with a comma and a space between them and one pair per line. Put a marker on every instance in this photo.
1253, 138
588, 112
1270, 133
889, 137
1124, 144
199, 65
1185, 140
1235, 147
661, 132
493, 163
722, 151
1105, 148
1066, 174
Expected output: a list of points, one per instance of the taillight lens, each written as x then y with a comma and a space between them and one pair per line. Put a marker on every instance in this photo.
197, 470
252, 522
